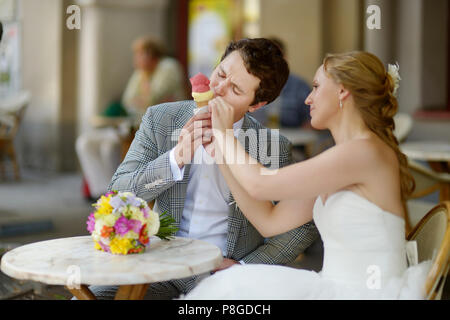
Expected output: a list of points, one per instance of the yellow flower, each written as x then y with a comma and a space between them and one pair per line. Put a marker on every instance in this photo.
97, 246
120, 246
137, 214
104, 207
109, 220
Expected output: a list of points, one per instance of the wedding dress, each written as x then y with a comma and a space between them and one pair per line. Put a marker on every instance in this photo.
364, 258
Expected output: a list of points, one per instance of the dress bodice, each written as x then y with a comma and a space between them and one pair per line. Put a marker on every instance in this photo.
362, 242
364, 258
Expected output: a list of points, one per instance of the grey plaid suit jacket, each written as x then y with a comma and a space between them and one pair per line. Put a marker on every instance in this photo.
146, 172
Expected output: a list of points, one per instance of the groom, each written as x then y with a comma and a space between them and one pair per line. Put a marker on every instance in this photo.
168, 162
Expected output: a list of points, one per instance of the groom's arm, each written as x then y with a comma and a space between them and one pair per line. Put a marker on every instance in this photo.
146, 169
284, 248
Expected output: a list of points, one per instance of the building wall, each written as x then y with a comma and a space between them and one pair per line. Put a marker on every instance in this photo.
69, 89
310, 29
414, 34
74, 74
434, 56
38, 138
342, 21
299, 24
408, 44
108, 30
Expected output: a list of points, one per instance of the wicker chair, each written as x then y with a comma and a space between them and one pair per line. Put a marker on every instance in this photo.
427, 182
11, 115
432, 235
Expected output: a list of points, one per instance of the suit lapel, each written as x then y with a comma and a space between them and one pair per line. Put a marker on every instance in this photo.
178, 192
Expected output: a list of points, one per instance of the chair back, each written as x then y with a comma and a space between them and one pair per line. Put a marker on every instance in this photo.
432, 235
11, 114
427, 181
12, 110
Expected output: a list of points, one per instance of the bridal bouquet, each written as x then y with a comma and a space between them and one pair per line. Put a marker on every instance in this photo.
123, 223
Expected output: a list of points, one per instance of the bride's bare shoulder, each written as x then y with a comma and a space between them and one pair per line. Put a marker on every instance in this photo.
371, 146
383, 152
359, 149
366, 153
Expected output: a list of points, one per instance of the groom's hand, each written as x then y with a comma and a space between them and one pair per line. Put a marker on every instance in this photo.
226, 263
191, 137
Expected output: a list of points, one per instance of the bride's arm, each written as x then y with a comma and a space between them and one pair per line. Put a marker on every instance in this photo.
332, 170
267, 218
339, 167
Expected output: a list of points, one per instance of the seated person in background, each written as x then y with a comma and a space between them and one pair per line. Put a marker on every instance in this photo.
289, 108
156, 79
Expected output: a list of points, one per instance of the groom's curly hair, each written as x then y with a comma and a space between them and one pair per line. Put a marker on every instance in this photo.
263, 59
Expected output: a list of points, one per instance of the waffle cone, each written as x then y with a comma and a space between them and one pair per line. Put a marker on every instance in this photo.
201, 104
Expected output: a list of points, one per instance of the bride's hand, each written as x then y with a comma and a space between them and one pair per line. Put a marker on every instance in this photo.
222, 114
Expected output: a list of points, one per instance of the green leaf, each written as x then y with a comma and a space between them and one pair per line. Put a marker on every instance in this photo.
167, 228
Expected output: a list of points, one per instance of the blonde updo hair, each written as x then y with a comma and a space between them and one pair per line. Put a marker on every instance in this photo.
372, 88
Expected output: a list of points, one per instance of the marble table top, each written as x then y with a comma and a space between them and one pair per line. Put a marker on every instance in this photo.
68, 260
427, 150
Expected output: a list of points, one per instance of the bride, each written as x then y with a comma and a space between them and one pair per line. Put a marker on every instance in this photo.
354, 191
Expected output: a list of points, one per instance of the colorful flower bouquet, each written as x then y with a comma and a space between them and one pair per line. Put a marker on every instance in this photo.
123, 224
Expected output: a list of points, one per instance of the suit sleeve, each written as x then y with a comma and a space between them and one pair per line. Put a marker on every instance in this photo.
284, 248
146, 169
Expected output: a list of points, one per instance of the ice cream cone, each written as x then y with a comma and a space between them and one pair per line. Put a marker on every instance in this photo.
200, 90
201, 104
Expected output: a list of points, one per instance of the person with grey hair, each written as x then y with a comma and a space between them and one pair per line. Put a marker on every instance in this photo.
156, 78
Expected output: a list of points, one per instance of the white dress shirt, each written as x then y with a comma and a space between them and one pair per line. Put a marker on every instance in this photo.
205, 213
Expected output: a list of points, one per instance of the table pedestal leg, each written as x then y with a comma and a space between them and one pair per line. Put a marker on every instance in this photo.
131, 292
83, 293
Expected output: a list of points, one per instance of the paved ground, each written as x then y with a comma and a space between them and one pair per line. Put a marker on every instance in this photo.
37, 208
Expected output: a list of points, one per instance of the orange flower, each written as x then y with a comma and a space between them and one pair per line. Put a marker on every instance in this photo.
106, 231
143, 235
136, 250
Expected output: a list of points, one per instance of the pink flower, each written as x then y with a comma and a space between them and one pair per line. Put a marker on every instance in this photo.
145, 212
91, 223
135, 225
110, 193
123, 225
104, 246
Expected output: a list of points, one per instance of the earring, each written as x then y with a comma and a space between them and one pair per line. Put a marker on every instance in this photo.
340, 104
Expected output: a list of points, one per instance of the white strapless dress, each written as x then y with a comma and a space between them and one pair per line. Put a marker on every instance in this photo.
364, 258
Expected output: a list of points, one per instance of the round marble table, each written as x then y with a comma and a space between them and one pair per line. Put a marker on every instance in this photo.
74, 263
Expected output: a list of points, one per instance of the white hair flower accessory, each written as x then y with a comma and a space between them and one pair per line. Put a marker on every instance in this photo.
393, 72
